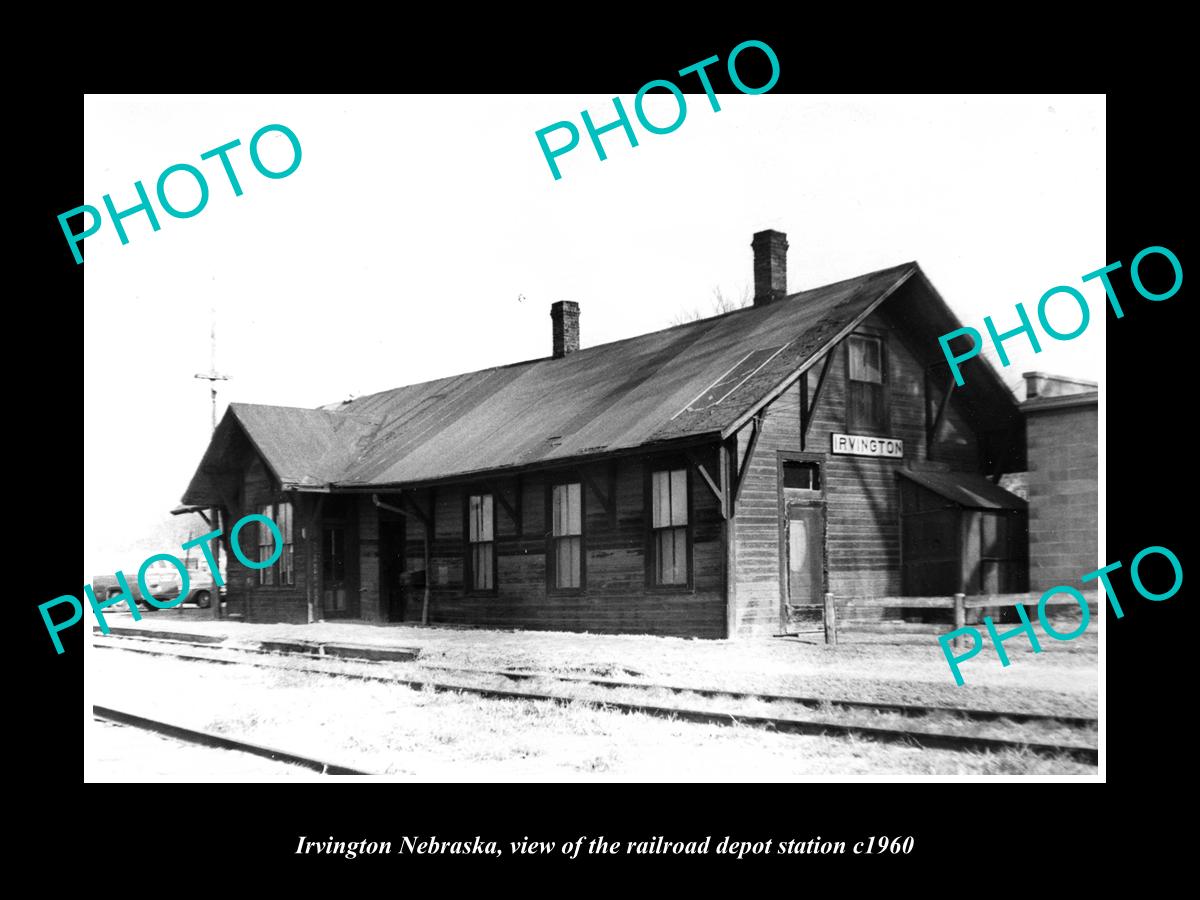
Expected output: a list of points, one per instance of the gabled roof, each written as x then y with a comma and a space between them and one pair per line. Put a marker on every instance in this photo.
965, 489
302, 447
699, 380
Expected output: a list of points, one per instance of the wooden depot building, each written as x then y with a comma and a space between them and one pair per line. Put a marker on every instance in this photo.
706, 480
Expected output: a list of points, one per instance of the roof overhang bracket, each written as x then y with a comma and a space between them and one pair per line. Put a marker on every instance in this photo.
806, 406
607, 497
514, 511
756, 427
425, 518
722, 492
931, 435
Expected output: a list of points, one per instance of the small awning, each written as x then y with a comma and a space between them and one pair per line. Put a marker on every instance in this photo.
966, 489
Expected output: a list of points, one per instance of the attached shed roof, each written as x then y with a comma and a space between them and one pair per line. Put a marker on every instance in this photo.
965, 489
703, 379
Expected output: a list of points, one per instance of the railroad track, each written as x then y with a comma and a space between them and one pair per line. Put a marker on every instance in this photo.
219, 741
905, 709
920, 737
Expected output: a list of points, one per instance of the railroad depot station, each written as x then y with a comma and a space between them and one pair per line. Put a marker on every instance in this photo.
714, 479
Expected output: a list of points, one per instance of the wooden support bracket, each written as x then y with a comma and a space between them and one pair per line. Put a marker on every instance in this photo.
425, 518
931, 436
808, 407
756, 425
607, 498
708, 479
514, 512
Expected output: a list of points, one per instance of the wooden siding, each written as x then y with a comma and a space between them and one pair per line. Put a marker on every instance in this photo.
258, 602
861, 552
862, 544
615, 599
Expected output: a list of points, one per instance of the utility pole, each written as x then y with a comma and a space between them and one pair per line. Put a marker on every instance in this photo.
212, 376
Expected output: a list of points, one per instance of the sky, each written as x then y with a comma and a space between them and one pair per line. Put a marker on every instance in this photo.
424, 236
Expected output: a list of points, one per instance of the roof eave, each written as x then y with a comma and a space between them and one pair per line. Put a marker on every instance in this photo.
563, 462
816, 357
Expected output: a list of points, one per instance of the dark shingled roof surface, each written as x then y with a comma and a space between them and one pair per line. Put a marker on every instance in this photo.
306, 446
702, 378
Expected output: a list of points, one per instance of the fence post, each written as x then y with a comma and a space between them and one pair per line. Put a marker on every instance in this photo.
830, 620
960, 618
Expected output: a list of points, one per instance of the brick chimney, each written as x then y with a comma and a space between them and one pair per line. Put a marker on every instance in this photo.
770, 266
565, 316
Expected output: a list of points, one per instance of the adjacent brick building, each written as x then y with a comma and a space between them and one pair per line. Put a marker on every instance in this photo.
1061, 424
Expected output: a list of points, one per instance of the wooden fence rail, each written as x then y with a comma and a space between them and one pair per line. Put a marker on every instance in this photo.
837, 608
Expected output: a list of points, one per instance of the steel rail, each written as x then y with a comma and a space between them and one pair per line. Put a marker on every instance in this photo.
207, 739
941, 740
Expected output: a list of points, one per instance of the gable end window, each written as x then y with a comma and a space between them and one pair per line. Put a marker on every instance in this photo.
866, 384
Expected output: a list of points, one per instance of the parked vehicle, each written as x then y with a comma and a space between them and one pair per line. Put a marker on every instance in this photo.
163, 582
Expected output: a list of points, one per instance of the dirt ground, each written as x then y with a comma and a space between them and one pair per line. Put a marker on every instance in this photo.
410, 734
1063, 679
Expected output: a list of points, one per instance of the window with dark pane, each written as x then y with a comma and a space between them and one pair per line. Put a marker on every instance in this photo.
282, 571
865, 384
567, 534
286, 562
804, 476
669, 521
333, 558
333, 568
481, 541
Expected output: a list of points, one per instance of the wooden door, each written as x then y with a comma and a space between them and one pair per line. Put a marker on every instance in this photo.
392, 559
804, 567
339, 599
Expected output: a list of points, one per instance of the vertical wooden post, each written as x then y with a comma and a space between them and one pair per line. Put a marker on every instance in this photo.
428, 555
960, 618
314, 547
830, 620
215, 522
520, 508
311, 591
729, 572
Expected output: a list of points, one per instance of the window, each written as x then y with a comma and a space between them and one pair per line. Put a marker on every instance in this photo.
282, 571
804, 476
283, 518
865, 398
566, 536
266, 547
669, 524
481, 542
